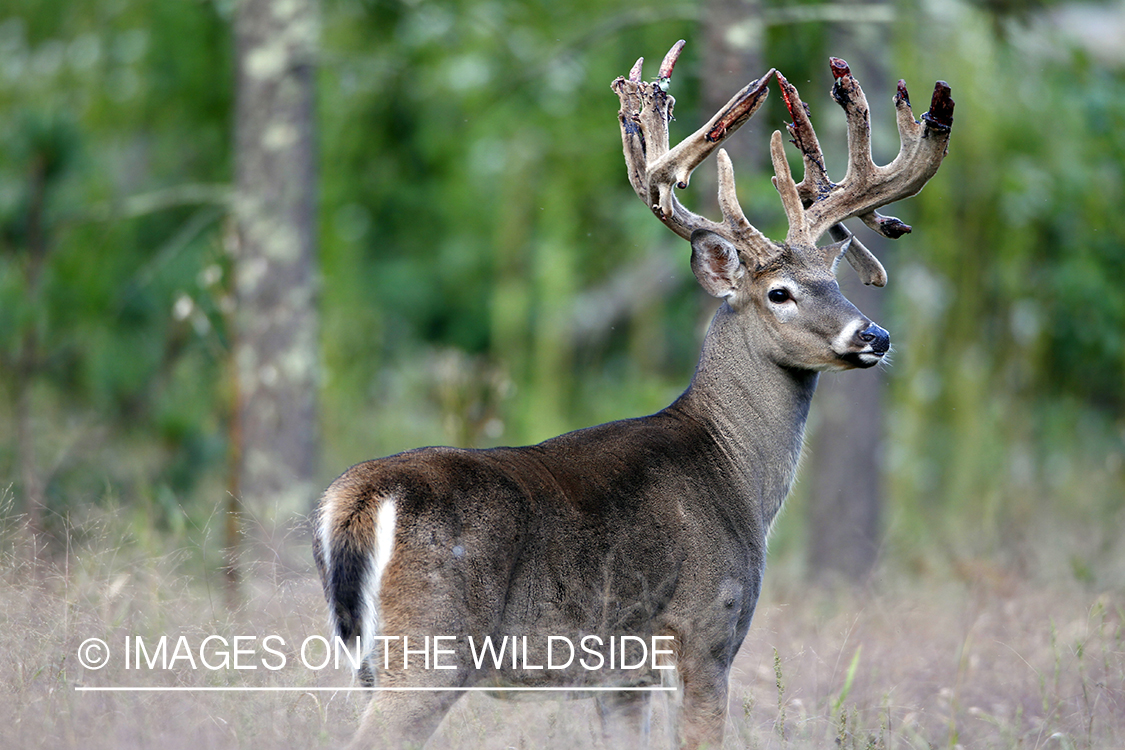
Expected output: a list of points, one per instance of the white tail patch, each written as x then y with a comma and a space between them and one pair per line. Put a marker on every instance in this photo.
385, 521
325, 515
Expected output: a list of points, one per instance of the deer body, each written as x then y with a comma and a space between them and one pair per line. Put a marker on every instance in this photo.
654, 526
651, 526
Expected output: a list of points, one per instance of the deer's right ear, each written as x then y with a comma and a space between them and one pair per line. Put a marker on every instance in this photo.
715, 263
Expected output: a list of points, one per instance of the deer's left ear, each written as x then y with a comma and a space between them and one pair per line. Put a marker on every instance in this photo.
715, 262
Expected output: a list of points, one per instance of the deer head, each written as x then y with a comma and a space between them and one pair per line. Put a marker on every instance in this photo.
789, 287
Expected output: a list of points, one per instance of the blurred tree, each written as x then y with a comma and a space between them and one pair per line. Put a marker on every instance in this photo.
275, 332
845, 499
842, 469
42, 149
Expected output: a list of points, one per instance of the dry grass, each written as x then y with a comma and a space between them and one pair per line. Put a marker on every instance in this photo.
964, 664
982, 662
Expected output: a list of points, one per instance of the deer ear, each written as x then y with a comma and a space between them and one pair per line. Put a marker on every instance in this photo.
715, 262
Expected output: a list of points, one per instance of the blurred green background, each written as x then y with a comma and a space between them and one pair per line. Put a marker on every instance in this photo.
485, 275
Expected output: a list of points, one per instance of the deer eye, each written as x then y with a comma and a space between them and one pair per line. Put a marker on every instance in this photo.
777, 296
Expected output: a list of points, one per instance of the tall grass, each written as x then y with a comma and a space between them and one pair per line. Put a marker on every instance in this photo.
907, 662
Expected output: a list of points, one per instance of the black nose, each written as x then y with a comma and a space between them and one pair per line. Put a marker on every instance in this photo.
878, 338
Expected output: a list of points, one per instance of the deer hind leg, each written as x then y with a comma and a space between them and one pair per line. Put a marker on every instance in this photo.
407, 718
402, 720
626, 719
424, 619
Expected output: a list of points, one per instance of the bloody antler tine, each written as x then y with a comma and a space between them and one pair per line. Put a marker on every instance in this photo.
635, 71
941, 107
745, 104
670, 59
839, 67
804, 138
788, 92
902, 95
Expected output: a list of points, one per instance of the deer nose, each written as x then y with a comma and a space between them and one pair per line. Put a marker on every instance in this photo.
877, 338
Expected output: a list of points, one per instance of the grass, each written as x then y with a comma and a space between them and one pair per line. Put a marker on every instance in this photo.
975, 662
958, 665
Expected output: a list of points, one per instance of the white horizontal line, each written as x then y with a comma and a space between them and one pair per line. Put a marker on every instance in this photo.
591, 689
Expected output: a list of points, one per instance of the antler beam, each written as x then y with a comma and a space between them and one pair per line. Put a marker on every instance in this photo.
655, 169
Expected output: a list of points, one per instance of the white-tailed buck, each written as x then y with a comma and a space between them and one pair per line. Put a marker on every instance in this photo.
602, 555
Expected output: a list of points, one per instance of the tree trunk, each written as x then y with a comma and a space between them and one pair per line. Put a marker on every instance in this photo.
28, 360
843, 462
845, 475
275, 346
845, 466
733, 58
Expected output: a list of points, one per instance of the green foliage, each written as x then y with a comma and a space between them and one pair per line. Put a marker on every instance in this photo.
1008, 395
473, 207
110, 101
475, 191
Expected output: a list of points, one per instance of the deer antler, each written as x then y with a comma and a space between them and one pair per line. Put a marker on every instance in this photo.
654, 169
814, 205
819, 204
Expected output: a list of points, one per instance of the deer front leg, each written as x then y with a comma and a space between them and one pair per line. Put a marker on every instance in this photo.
626, 719
704, 708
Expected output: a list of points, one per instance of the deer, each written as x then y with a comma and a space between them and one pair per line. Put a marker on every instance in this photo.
651, 531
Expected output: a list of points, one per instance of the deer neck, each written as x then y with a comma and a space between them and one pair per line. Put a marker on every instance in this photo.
755, 409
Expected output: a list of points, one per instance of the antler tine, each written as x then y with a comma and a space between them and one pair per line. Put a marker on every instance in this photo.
635, 71
866, 265
815, 182
867, 186
790, 197
655, 170
633, 142
848, 94
668, 64
728, 196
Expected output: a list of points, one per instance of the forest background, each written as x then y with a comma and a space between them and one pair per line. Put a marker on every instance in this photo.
469, 266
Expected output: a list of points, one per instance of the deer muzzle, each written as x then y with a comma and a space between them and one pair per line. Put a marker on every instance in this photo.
873, 343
